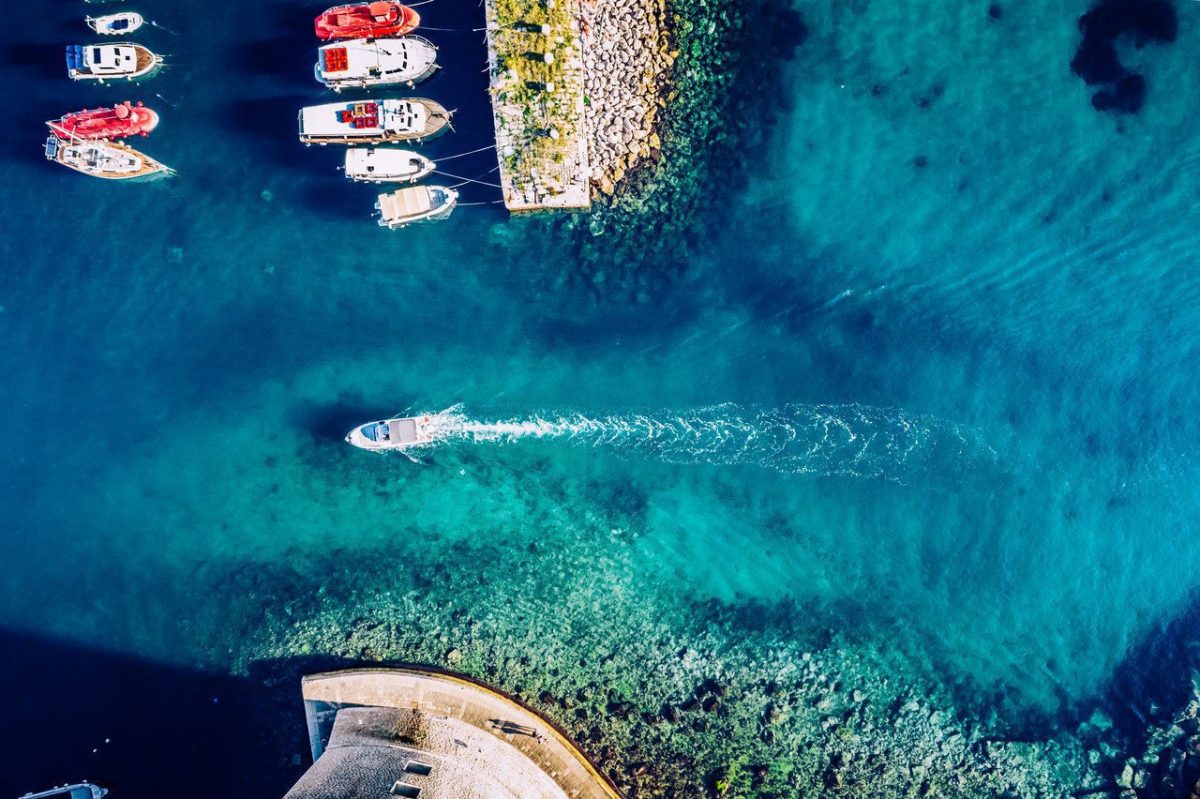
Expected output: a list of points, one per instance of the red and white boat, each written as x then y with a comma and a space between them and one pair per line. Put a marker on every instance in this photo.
367, 21
116, 122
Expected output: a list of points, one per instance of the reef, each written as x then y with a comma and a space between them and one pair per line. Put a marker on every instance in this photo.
1096, 59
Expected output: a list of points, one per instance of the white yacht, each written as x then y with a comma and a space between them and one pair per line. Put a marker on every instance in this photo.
373, 121
102, 62
401, 433
115, 24
386, 165
360, 63
407, 206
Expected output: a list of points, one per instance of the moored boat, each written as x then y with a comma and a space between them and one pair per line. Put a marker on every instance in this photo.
412, 204
80, 790
412, 119
366, 20
386, 165
101, 62
399, 433
104, 159
115, 24
115, 122
362, 62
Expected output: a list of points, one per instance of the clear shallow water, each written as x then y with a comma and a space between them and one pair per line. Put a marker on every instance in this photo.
181, 360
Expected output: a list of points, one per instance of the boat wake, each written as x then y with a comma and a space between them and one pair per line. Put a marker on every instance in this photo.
826, 440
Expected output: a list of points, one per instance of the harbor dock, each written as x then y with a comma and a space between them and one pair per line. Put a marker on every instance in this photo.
537, 87
419, 733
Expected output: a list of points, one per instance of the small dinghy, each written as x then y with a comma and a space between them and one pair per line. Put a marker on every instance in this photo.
104, 159
366, 21
115, 24
363, 62
80, 790
101, 62
401, 433
386, 165
117, 122
413, 204
373, 121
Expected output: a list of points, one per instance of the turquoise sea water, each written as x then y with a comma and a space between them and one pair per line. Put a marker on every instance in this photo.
943, 253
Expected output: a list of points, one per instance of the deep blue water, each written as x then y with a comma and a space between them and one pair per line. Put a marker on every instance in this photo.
943, 251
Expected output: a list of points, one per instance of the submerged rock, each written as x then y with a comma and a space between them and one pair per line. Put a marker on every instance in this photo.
1096, 60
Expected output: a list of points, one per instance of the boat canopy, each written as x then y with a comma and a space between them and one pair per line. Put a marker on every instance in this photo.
405, 203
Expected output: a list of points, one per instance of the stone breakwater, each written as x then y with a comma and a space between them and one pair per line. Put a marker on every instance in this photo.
627, 59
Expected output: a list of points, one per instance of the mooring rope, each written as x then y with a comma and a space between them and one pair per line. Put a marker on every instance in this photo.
489, 202
163, 27
467, 180
461, 155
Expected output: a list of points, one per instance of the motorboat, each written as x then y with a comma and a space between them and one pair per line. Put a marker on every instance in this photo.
103, 159
386, 165
363, 62
366, 20
400, 434
412, 119
113, 122
102, 62
115, 24
412, 204
80, 790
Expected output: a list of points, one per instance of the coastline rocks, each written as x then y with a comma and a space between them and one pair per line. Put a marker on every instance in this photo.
626, 61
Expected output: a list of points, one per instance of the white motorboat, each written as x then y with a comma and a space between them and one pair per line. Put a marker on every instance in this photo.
373, 121
386, 165
400, 433
103, 159
115, 24
360, 63
102, 62
80, 790
412, 204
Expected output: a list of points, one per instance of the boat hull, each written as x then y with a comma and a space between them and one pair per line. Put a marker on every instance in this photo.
145, 64
357, 22
371, 63
399, 434
105, 159
317, 125
118, 122
395, 214
385, 165
116, 24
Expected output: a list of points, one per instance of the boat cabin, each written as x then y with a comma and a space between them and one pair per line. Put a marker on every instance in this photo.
393, 432
110, 59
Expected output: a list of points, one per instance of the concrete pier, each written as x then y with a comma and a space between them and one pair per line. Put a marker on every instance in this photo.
416, 733
535, 63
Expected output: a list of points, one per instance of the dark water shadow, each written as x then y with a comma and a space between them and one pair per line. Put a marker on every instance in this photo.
164, 725
287, 57
38, 59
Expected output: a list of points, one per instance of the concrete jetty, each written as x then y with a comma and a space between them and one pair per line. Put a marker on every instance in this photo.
412, 732
535, 64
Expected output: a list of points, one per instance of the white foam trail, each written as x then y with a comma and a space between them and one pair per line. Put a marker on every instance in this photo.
832, 440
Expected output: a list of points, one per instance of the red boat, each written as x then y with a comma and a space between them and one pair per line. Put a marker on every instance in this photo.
367, 21
119, 121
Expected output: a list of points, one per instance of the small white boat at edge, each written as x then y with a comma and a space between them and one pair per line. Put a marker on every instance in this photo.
413, 204
80, 790
101, 62
400, 433
360, 63
386, 165
115, 24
